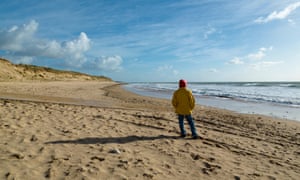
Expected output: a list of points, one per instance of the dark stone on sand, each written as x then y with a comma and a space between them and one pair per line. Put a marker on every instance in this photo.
237, 178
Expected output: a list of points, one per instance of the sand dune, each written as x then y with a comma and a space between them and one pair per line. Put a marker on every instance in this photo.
23, 72
96, 130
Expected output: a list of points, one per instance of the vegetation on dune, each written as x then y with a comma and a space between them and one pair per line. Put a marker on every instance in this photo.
10, 71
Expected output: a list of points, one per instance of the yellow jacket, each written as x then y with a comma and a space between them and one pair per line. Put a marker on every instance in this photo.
183, 101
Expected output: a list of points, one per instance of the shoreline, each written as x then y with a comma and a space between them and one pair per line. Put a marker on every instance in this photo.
236, 106
128, 136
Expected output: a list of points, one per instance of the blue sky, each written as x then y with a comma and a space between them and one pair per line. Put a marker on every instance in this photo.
156, 40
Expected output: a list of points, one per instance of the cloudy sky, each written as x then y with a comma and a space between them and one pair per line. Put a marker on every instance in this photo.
156, 40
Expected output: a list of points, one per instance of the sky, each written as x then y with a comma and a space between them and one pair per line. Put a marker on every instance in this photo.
156, 40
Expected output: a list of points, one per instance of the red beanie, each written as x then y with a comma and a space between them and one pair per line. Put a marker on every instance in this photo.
182, 83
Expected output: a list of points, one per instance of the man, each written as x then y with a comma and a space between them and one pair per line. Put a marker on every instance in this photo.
184, 102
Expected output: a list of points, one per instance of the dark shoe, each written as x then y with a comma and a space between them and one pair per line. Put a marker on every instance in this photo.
182, 135
197, 137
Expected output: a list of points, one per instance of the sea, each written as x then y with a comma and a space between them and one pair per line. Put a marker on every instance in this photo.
275, 99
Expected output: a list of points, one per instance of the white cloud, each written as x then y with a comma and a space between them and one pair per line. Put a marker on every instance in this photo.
167, 69
256, 60
209, 31
20, 59
24, 60
22, 45
17, 38
112, 63
213, 70
279, 15
236, 60
21, 41
73, 51
260, 54
265, 64
292, 22
175, 72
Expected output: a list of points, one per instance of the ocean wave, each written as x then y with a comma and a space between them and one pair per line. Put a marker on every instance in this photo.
279, 99
296, 85
255, 84
254, 98
284, 93
274, 84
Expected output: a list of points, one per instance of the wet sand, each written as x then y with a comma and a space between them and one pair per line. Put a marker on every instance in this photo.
97, 130
236, 105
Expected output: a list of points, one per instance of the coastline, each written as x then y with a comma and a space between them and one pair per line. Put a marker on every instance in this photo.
87, 130
239, 106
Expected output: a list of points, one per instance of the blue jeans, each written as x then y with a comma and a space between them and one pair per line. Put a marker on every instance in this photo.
190, 121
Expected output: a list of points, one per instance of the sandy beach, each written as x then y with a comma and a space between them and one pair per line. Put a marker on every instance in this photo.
97, 130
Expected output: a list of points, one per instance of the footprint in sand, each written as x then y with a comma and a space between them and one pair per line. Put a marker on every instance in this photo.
210, 168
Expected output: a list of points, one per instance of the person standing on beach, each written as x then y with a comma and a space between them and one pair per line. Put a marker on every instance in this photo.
184, 102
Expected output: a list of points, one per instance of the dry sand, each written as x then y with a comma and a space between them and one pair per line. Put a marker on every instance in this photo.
97, 130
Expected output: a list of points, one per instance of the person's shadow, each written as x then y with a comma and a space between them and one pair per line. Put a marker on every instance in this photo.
107, 140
